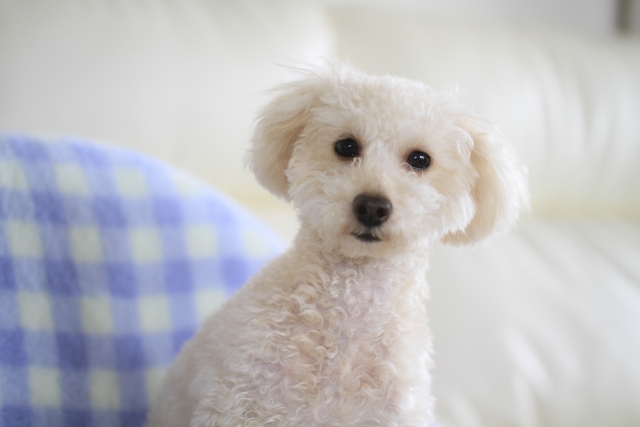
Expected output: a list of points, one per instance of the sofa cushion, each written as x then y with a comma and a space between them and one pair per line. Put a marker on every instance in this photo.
108, 262
539, 328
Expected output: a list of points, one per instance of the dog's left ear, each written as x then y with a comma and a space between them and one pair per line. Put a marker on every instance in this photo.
279, 126
500, 191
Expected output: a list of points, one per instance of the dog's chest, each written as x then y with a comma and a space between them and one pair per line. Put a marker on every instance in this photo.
354, 344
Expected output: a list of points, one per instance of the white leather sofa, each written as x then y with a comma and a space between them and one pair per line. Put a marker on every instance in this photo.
539, 328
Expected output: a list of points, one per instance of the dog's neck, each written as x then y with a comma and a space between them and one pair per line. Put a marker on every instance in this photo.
392, 277
308, 242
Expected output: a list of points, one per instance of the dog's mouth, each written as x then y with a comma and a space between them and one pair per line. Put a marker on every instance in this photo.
366, 237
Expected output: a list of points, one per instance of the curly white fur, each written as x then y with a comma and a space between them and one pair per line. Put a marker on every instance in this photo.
335, 331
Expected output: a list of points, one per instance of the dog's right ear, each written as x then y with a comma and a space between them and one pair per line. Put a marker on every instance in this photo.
279, 126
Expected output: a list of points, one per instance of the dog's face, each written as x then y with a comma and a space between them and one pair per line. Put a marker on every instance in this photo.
376, 171
381, 166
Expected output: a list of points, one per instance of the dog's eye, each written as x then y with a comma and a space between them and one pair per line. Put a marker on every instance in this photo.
419, 160
346, 148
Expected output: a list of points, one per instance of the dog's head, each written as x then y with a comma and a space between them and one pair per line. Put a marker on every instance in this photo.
378, 166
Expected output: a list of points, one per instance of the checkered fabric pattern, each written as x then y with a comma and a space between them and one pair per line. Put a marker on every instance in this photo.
108, 262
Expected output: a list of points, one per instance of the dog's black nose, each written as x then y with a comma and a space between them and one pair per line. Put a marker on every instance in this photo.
371, 210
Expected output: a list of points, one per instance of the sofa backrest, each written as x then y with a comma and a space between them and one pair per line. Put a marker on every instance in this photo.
569, 102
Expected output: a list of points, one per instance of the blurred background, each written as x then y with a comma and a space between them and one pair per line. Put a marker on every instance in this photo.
183, 82
539, 328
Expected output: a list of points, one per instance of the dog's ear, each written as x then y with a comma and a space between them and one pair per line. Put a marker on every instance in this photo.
500, 191
278, 127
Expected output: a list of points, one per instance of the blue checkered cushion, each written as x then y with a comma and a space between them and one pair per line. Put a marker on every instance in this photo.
108, 262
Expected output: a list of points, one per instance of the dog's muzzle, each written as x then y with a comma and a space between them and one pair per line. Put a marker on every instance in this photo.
371, 211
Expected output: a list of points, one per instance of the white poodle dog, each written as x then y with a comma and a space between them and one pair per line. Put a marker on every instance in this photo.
334, 332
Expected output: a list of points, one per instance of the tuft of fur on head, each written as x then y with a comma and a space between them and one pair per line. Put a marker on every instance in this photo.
474, 188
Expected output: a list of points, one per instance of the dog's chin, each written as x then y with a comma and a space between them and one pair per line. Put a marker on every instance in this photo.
367, 237
365, 243
386, 243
